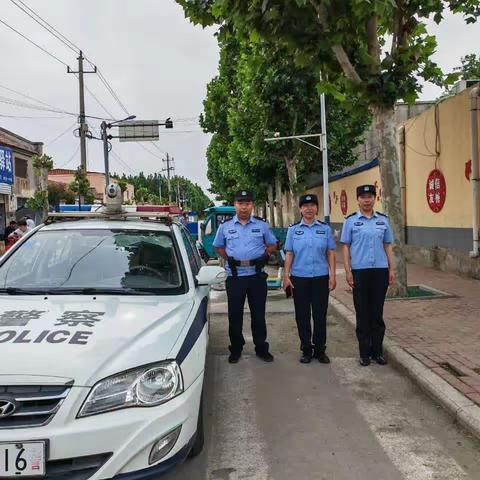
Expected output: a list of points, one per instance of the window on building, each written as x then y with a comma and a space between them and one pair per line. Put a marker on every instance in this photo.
21, 168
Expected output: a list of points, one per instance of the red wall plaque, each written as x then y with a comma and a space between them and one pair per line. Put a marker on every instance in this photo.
344, 202
436, 190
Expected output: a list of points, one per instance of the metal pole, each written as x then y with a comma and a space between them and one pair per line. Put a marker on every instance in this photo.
103, 128
83, 126
160, 188
168, 178
323, 139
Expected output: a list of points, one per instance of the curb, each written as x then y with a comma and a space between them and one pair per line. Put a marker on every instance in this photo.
464, 411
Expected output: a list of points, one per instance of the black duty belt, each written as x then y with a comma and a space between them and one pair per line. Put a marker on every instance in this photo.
246, 263
258, 263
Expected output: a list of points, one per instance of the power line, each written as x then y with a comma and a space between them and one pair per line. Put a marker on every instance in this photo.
18, 103
28, 97
147, 150
33, 117
112, 92
44, 24
98, 101
63, 165
158, 148
33, 43
61, 135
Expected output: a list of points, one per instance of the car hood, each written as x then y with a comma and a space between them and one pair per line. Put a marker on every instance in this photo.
81, 339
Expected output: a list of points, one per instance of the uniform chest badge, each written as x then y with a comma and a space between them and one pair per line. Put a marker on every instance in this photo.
232, 231
299, 232
380, 223
255, 230
358, 224
320, 232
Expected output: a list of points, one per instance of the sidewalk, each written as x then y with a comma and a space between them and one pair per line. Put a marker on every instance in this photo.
443, 334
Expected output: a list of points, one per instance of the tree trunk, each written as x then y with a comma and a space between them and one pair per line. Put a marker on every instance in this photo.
291, 165
279, 202
271, 207
43, 187
385, 129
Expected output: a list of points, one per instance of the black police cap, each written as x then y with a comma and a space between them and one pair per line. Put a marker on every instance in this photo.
246, 195
366, 189
309, 198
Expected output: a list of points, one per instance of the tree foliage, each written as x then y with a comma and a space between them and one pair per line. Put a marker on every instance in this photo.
59, 192
81, 186
261, 90
147, 190
380, 49
469, 68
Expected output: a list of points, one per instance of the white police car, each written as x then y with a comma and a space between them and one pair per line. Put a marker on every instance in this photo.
103, 338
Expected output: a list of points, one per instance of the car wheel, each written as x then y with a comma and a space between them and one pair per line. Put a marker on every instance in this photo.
200, 435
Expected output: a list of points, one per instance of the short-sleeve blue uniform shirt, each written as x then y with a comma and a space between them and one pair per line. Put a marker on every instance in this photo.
244, 242
366, 237
309, 244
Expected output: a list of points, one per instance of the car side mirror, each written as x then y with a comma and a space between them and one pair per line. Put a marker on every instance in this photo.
210, 275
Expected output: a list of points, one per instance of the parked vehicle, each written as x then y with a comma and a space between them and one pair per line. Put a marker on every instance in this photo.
103, 332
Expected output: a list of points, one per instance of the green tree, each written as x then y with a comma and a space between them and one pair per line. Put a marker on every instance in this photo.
42, 164
81, 187
58, 192
122, 183
469, 68
141, 194
259, 91
147, 189
380, 50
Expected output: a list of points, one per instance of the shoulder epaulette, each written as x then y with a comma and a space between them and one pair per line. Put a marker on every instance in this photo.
260, 218
351, 215
382, 214
293, 224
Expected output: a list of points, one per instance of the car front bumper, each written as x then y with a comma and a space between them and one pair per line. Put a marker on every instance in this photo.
120, 441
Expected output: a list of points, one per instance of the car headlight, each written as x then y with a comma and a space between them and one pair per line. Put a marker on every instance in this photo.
141, 387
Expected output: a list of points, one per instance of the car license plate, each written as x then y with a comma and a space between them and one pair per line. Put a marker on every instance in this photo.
22, 459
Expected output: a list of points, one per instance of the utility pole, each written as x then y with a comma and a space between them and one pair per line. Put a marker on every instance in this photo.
169, 168
81, 118
323, 139
160, 187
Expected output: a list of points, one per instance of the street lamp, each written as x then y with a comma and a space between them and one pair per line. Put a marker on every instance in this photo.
322, 139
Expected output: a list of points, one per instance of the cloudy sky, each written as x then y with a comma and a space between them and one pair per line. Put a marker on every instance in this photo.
155, 60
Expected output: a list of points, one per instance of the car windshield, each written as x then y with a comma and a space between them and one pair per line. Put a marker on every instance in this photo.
94, 261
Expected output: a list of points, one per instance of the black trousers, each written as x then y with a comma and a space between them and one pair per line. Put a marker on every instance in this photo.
310, 296
254, 288
369, 290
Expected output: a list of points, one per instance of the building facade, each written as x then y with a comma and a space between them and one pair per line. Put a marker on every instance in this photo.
436, 165
17, 178
97, 182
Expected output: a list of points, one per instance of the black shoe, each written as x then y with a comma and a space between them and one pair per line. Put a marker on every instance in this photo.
306, 358
322, 357
380, 360
234, 357
364, 362
265, 356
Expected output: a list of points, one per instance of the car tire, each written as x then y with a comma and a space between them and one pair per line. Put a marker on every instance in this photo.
200, 435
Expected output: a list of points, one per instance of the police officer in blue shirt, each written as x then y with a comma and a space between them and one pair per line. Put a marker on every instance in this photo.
310, 272
245, 242
368, 259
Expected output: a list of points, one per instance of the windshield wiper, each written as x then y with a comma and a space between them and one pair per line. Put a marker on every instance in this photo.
23, 291
99, 291
79, 291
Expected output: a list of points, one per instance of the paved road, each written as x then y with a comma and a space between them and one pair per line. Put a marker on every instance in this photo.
285, 421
